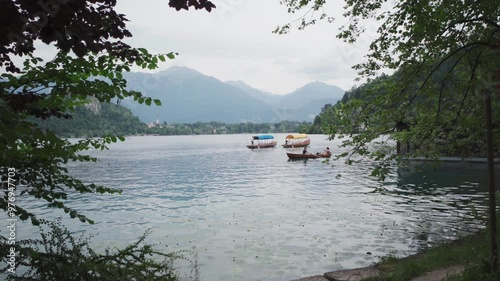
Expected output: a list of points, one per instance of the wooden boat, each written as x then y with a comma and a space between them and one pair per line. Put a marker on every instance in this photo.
297, 140
308, 155
262, 141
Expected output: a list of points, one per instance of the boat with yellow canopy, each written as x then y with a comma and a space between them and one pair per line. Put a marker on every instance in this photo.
296, 140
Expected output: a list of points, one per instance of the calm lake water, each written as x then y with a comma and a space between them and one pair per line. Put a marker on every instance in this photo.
254, 215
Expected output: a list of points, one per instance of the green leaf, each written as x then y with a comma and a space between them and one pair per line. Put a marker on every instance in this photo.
143, 51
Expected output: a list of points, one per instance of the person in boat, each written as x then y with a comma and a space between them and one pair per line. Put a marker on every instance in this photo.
327, 151
252, 142
304, 151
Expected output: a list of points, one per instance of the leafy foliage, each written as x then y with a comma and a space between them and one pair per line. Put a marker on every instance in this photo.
59, 255
89, 60
79, 26
446, 57
93, 31
197, 4
54, 89
209, 128
310, 16
95, 119
116, 120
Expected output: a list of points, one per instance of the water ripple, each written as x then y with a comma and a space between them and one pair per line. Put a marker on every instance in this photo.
254, 215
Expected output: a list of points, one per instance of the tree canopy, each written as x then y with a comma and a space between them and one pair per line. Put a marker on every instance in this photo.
447, 57
446, 54
90, 57
86, 38
80, 26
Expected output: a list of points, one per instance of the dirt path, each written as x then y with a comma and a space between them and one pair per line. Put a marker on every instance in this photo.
365, 272
439, 274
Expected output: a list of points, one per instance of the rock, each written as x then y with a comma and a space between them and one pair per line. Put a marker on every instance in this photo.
352, 274
312, 278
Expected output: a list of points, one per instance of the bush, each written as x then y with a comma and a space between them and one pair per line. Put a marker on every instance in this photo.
58, 255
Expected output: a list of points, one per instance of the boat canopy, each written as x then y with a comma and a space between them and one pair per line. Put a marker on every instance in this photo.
263, 137
297, 136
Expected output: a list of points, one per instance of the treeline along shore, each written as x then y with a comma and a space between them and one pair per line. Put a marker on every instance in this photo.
98, 119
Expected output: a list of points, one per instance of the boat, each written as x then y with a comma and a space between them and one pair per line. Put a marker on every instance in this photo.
262, 141
308, 155
297, 140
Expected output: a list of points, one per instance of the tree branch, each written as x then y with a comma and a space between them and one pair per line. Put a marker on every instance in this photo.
480, 19
464, 47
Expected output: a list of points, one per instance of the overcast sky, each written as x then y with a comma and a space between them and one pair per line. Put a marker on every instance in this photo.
235, 42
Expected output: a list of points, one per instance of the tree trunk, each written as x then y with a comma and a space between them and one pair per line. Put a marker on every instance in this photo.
491, 181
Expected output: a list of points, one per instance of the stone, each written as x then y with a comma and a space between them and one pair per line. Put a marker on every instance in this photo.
352, 274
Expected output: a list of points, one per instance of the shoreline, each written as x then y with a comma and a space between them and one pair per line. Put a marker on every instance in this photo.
355, 274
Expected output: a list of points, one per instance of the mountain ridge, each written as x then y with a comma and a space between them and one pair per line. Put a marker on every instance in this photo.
188, 95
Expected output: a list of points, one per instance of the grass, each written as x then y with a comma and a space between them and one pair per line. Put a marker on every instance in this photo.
472, 252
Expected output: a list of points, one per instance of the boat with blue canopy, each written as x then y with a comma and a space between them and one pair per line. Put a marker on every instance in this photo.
262, 141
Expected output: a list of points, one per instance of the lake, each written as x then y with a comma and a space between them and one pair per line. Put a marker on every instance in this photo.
255, 215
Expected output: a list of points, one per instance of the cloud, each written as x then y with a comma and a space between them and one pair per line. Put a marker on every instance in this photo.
235, 42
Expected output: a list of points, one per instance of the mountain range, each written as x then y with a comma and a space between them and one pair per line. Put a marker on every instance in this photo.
189, 96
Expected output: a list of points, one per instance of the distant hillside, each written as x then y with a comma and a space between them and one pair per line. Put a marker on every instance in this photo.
313, 92
96, 119
267, 97
189, 96
302, 104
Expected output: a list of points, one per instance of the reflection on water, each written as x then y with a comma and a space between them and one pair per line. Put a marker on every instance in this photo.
254, 215
441, 195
